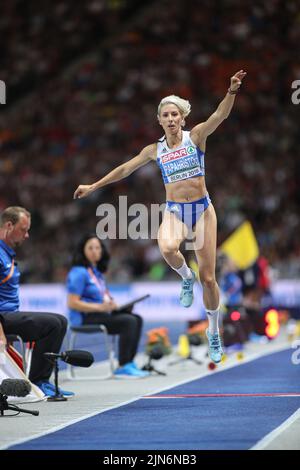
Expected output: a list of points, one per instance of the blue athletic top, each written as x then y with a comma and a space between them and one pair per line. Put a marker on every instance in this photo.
183, 162
89, 288
9, 289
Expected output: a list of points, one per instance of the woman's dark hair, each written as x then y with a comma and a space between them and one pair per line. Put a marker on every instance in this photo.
79, 258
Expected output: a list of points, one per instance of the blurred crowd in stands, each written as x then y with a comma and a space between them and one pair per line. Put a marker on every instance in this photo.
82, 119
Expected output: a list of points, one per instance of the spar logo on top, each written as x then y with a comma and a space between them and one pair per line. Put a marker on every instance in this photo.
184, 152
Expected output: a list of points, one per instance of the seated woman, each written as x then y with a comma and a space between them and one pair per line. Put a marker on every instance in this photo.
90, 303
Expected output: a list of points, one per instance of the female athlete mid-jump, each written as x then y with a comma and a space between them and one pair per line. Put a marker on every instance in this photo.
180, 156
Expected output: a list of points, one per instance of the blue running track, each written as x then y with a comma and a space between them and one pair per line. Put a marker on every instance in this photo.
182, 421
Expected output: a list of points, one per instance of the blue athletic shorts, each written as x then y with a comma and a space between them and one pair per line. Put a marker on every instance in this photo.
189, 212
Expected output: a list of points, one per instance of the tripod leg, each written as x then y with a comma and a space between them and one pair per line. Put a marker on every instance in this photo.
5, 406
149, 368
23, 410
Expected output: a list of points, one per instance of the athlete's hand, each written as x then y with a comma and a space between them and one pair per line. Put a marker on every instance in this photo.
236, 80
83, 190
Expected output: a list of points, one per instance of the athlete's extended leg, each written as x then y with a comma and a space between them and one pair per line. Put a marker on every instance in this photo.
171, 234
206, 230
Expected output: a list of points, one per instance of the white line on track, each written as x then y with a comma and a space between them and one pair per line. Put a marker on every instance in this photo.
265, 441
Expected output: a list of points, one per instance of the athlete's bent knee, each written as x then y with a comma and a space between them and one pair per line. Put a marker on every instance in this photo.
208, 280
168, 247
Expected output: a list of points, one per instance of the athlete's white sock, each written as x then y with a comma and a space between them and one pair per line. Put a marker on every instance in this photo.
184, 271
213, 319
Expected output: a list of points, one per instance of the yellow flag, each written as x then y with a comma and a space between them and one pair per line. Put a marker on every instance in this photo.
241, 247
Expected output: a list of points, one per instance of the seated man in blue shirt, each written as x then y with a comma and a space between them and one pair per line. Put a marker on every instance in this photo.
47, 330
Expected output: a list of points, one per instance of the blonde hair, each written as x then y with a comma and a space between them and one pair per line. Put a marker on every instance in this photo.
184, 106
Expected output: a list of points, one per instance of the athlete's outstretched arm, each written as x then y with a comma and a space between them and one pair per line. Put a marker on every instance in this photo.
122, 171
203, 130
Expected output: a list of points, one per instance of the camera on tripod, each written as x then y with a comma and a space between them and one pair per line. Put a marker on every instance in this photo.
158, 345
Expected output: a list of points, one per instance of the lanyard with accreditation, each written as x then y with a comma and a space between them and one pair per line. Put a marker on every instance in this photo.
106, 295
126, 307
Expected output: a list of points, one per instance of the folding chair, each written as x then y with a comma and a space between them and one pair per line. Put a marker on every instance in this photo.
109, 345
